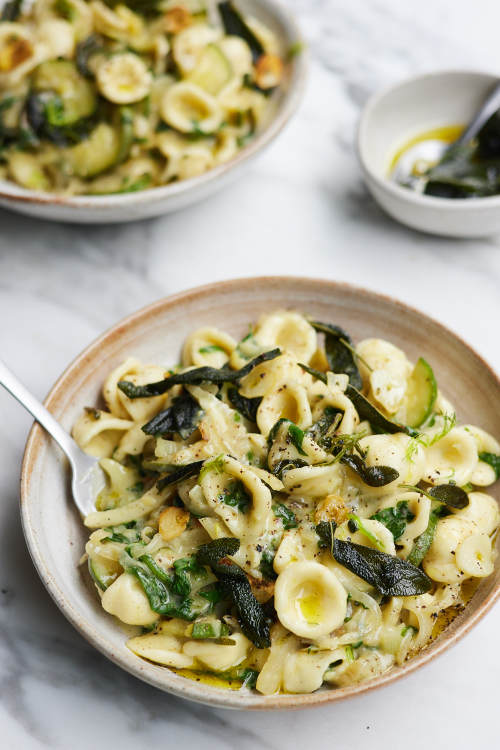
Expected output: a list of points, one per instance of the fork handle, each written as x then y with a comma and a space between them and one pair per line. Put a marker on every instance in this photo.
37, 410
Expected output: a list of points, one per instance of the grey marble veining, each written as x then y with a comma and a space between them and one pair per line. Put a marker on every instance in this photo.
302, 209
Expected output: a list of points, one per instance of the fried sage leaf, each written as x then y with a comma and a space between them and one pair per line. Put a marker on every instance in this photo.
246, 406
390, 575
235, 26
235, 586
11, 10
315, 373
195, 377
181, 417
339, 352
448, 494
367, 411
373, 476
493, 460
183, 472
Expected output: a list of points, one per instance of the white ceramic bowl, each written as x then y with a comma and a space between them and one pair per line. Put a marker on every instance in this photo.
56, 536
391, 118
102, 209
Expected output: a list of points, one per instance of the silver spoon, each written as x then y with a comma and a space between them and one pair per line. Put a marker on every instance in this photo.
87, 477
431, 151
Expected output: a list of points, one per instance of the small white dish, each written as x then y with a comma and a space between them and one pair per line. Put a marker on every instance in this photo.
395, 116
101, 209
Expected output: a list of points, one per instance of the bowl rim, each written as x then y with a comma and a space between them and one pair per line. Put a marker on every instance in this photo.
398, 191
292, 97
194, 691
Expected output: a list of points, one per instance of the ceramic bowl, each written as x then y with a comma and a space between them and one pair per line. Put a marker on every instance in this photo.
53, 529
389, 121
102, 209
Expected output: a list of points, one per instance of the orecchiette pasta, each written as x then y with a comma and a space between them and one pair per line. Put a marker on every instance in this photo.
270, 524
99, 97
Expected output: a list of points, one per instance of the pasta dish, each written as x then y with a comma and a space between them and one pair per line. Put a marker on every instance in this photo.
289, 511
115, 97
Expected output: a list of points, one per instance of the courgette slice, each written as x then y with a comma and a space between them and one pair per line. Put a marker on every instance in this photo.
421, 394
97, 153
213, 70
74, 97
103, 575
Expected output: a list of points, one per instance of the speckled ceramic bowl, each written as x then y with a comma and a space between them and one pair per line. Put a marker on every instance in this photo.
55, 534
101, 209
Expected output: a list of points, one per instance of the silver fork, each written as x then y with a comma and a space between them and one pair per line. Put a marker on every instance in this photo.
87, 477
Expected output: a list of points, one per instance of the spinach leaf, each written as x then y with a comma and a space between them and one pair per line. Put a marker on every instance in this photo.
423, 542
172, 596
236, 26
493, 460
395, 518
390, 575
286, 514
195, 377
378, 422
246, 406
236, 496
183, 472
295, 434
339, 352
449, 494
266, 564
235, 586
11, 10
181, 417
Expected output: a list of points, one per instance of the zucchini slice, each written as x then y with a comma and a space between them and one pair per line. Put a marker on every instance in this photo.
97, 153
421, 394
213, 70
103, 575
74, 97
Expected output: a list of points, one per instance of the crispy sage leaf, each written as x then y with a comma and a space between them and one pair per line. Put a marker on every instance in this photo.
194, 377
182, 417
449, 494
235, 586
246, 406
287, 464
183, 472
11, 10
390, 575
339, 352
373, 476
366, 410
235, 26
493, 460
315, 373
319, 429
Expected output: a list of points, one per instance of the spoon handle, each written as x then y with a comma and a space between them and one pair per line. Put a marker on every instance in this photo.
37, 410
490, 105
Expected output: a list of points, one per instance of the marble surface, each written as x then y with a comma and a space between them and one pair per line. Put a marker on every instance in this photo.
301, 210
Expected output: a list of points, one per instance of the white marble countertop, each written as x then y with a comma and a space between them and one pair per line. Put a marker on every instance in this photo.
301, 210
